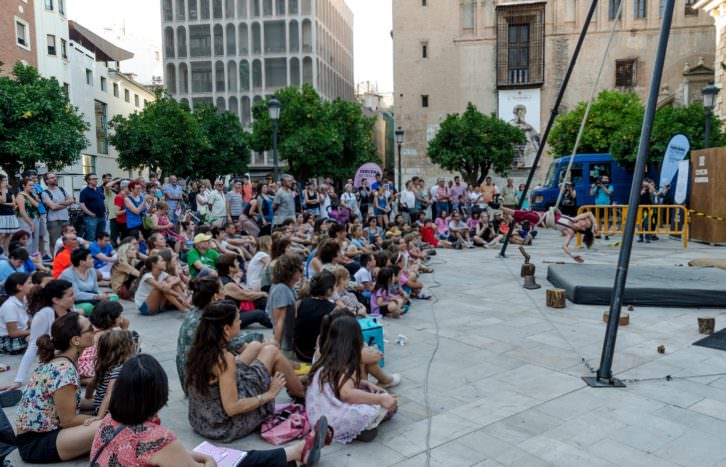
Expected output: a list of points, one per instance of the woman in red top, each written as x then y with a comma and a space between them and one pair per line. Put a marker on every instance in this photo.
131, 434
120, 219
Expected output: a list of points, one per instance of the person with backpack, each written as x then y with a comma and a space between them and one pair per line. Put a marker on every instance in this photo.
56, 201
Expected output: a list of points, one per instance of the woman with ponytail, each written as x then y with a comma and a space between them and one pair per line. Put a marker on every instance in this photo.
49, 427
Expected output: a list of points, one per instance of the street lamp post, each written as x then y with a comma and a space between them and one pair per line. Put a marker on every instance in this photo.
274, 108
709, 100
399, 141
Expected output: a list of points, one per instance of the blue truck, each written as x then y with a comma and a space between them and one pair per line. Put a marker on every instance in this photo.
586, 169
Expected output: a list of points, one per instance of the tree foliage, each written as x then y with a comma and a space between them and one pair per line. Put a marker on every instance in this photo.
37, 123
615, 122
473, 143
316, 138
166, 136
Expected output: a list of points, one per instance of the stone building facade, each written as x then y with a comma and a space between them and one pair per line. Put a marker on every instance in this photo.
717, 10
509, 58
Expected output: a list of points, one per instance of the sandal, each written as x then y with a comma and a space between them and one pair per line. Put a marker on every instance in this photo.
314, 442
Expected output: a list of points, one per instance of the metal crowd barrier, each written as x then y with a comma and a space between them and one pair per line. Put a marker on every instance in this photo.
655, 219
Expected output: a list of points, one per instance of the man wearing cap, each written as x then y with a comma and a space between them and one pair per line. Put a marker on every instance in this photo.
56, 201
202, 256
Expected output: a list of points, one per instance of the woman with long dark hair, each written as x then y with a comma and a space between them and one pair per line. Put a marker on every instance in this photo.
8, 221
230, 397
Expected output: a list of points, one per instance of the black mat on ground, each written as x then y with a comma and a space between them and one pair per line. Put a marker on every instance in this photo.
716, 340
592, 284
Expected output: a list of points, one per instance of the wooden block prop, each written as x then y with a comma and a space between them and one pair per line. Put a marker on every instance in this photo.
528, 269
706, 325
556, 298
623, 321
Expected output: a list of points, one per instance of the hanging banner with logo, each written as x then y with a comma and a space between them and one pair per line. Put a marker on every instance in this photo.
367, 171
677, 150
679, 196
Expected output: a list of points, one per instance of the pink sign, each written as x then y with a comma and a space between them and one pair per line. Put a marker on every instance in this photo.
367, 171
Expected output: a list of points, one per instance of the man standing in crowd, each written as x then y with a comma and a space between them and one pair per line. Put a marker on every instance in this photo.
489, 191
110, 188
442, 196
602, 190
284, 202
173, 195
365, 197
56, 200
93, 207
217, 204
509, 194
457, 191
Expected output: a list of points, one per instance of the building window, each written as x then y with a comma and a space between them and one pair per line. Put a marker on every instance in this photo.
89, 77
200, 41
137, 102
49, 5
469, 7
625, 73
520, 45
613, 6
424, 50
21, 34
67, 90
690, 11
424, 100
640, 8
61, 7
115, 89
64, 49
51, 44
101, 127
127, 95
201, 77
423, 3
103, 84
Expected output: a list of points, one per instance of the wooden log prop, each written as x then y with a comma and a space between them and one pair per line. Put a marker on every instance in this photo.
623, 321
527, 270
706, 325
556, 298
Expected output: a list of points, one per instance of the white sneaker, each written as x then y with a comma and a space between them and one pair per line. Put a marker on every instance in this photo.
395, 381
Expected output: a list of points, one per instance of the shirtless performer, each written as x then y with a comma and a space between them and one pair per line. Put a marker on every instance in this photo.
585, 223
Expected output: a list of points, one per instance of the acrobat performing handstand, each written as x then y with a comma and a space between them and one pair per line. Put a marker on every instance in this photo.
569, 227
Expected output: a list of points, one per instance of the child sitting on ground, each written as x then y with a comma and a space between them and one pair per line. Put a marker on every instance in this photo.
428, 235
114, 349
382, 303
342, 297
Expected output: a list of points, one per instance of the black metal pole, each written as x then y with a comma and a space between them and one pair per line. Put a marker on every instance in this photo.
708, 128
399, 167
275, 163
553, 115
604, 376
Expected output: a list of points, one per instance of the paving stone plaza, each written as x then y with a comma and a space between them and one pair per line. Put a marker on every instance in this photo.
505, 386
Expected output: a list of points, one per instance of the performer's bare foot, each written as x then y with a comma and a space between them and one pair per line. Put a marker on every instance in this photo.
578, 259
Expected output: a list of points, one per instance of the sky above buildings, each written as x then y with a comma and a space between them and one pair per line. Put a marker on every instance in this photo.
136, 26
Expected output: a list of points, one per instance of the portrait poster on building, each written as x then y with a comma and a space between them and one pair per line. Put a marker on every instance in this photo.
521, 108
367, 171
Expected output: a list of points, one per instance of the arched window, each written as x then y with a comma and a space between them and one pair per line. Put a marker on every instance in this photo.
183, 78
256, 74
231, 40
221, 106
244, 76
308, 70
307, 36
219, 76
171, 78
168, 12
246, 111
244, 39
233, 107
218, 40
232, 76
294, 37
204, 9
169, 42
229, 9
217, 9
181, 42
256, 100
275, 36
294, 71
256, 39
241, 8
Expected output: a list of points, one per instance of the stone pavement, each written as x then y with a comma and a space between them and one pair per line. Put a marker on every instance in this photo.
505, 387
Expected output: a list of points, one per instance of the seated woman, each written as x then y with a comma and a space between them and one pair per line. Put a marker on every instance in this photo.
251, 303
353, 406
124, 271
161, 224
310, 312
205, 291
442, 225
49, 426
230, 397
286, 273
85, 285
156, 243
258, 262
140, 392
14, 318
486, 234
156, 289
177, 274
105, 317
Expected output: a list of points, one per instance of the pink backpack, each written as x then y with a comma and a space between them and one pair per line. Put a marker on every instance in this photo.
289, 422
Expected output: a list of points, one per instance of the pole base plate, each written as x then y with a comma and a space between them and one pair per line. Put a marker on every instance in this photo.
594, 382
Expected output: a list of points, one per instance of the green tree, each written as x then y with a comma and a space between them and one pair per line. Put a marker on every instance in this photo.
615, 122
225, 149
37, 123
473, 143
164, 136
316, 138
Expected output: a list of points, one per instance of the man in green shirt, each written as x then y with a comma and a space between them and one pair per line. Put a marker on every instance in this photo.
202, 256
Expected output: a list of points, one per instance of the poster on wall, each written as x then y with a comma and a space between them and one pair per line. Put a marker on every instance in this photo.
521, 108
